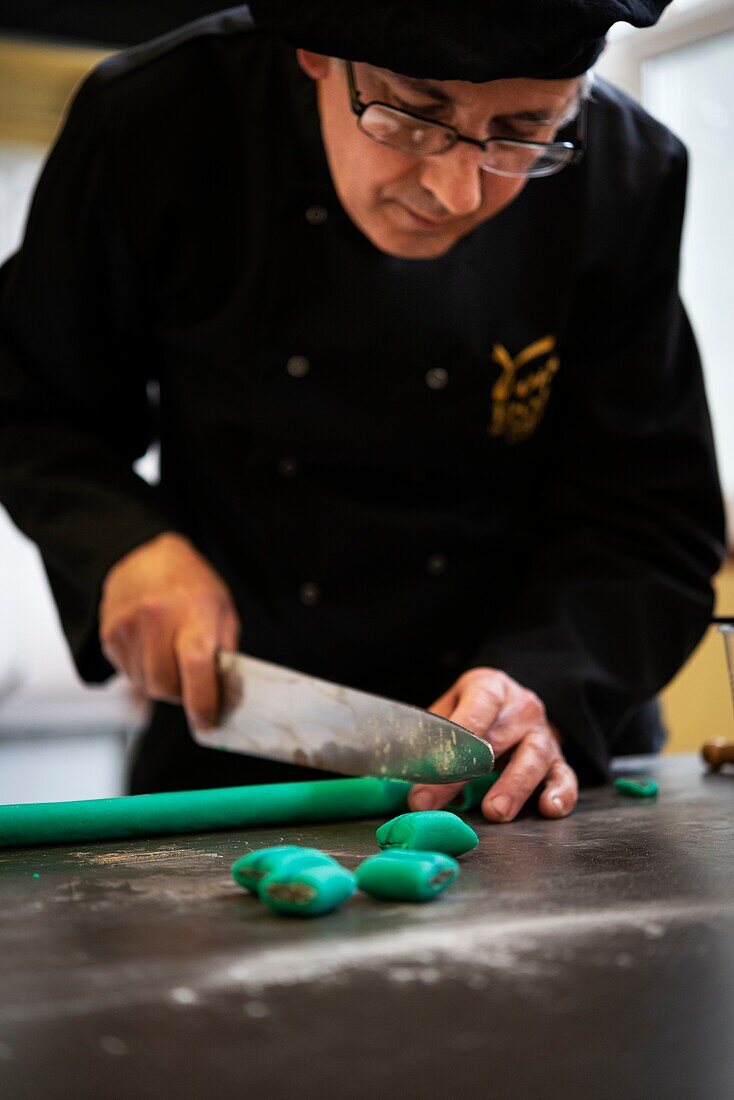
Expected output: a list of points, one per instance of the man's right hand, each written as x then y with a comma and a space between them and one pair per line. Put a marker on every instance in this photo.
164, 613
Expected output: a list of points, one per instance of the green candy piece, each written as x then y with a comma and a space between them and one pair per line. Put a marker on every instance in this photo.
428, 831
306, 889
407, 876
250, 870
637, 788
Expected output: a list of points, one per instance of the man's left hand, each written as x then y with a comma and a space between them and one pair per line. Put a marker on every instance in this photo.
513, 719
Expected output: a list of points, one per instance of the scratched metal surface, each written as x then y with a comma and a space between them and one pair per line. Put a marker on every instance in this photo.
589, 957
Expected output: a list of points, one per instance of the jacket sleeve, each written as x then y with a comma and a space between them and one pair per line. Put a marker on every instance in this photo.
618, 592
73, 401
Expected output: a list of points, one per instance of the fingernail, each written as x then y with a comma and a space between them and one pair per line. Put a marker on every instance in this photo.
501, 805
422, 800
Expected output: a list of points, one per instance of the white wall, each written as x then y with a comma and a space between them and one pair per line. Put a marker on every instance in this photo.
682, 71
58, 738
32, 650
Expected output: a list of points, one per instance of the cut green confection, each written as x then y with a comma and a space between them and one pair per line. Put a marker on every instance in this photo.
306, 889
250, 870
637, 788
407, 875
428, 831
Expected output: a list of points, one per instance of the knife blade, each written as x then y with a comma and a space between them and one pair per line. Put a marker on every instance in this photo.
276, 712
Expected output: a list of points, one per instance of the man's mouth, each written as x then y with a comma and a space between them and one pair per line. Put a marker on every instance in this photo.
422, 222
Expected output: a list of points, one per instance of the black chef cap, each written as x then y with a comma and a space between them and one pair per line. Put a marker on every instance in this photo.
457, 39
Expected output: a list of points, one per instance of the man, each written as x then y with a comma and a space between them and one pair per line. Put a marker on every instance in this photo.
431, 414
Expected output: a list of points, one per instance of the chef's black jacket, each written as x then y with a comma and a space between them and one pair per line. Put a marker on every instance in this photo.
402, 468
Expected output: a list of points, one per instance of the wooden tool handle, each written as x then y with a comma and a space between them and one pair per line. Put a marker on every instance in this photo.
718, 752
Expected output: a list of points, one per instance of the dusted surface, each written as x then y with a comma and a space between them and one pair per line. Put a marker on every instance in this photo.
592, 956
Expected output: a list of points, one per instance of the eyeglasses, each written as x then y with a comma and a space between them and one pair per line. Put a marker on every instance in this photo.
513, 157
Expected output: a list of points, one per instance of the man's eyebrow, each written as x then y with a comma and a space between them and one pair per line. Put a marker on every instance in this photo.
535, 116
540, 114
560, 116
427, 88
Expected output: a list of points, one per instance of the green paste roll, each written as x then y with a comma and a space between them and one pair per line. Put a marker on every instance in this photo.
171, 812
428, 831
407, 876
305, 889
248, 871
473, 793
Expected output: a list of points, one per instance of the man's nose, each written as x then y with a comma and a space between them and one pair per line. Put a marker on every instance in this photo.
455, 179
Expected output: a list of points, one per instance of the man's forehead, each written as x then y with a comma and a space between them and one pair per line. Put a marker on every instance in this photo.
528, 98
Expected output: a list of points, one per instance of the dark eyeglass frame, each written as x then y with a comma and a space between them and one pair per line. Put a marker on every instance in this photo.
578, 145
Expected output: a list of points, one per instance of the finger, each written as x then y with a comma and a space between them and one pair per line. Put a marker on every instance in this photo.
112, 638
521, 713
157, 658
195, 647
479, 704
527, 768
112, 650
561, 791
429, 796
119, 645
470, 704
229, 632
135, 666
424, 796
445, 705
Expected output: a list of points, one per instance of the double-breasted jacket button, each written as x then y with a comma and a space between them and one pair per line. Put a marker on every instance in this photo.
316, 214
287, 467
437, 564
436, 378
298, 366
309, 593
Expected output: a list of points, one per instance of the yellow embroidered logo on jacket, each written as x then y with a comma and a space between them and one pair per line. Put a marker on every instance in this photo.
519, 396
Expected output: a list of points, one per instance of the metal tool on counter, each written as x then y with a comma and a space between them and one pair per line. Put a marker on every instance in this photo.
725, 626
286, 715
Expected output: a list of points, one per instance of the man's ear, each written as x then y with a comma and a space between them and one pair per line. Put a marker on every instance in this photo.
315, 65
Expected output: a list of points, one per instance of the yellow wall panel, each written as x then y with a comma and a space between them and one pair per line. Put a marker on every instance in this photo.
697, 704
36, 83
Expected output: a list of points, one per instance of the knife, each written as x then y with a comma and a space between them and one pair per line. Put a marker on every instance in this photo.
276, 712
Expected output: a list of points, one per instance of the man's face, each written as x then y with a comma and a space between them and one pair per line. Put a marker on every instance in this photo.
419, 207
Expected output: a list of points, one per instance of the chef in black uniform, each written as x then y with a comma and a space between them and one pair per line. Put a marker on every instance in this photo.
407, 327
